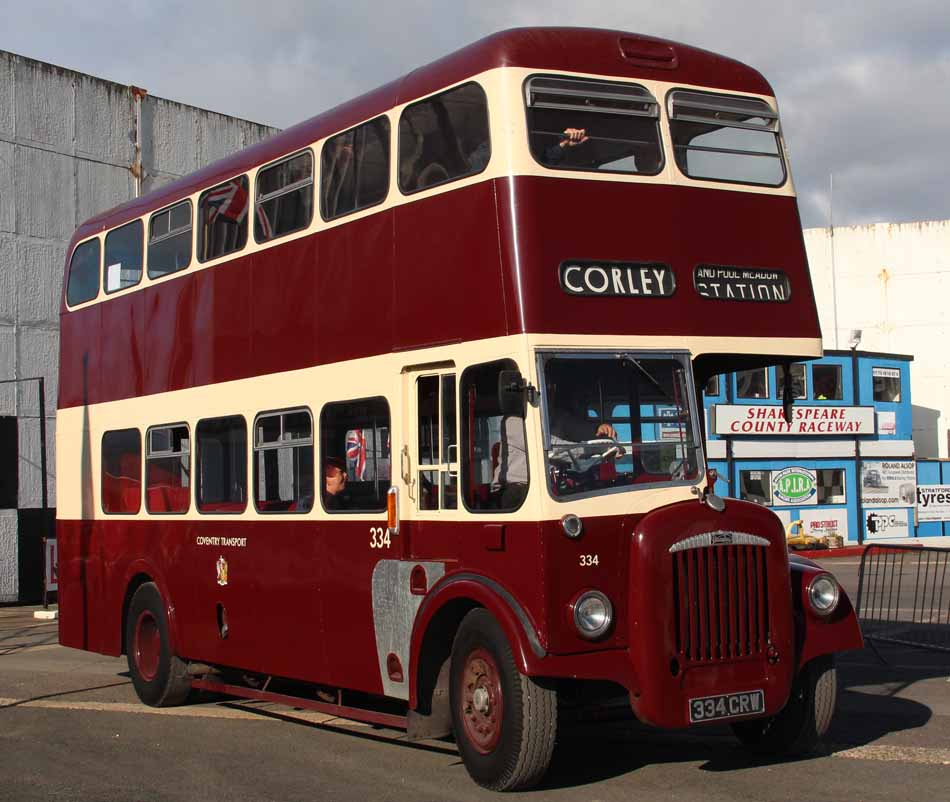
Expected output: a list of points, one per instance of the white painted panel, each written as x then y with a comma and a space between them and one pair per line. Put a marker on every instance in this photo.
715, 449
785, 449
887, 448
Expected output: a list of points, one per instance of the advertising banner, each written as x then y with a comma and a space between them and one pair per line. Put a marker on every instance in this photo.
887, 423
889, 484
886, 524
933, 503
794, 485
817, 523
806, 420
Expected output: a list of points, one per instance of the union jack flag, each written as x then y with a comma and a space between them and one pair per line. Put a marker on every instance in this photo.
229, 201
264, 229
356, 454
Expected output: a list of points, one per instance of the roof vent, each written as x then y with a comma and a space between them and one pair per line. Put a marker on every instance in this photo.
648, 53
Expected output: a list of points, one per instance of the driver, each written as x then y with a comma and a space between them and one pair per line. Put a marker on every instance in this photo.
568, 422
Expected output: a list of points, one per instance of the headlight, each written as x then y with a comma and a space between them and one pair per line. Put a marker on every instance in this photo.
593, 614
823, 594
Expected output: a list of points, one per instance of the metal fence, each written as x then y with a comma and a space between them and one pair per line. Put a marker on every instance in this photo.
903, 596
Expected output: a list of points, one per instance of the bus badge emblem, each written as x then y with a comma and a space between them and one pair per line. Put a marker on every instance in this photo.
222, 566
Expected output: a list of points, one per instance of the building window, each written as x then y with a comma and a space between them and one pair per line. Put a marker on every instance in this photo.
222, 464
712, 386
355, 455
756, 486
169, 240
123, 262
83, 273
354, 169
752, 383
887, 384
494, 456
222, 216
122, 471
726, 138
283, 461
831, 486
284, 197
583, 124
168, 469
443, 138
827, 382
799, 383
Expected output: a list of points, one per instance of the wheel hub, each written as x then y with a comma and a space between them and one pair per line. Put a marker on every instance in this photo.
147, 648
482, 701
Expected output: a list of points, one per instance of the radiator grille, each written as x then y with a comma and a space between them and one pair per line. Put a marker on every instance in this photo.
721, 596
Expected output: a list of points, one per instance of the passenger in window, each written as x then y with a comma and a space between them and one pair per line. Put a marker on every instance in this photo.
335, 495
338, 184
554, 154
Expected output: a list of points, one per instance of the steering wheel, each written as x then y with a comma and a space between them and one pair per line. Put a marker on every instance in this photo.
594, 451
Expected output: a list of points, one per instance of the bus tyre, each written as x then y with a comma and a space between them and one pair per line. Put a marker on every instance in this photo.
160, 678
798, 728
505, 723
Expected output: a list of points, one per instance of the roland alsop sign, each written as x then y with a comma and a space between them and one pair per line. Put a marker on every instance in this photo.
725, 283
635, 279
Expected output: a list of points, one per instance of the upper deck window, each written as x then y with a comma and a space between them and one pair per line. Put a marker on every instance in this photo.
169, 240
284, 197
83, 273
726, 138
123, 262
443, 138
582, 124
222, 213
354, 169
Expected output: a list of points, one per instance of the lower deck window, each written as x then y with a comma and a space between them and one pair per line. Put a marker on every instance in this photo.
222, 464
168, 469
355, 455
283, 462
122, 471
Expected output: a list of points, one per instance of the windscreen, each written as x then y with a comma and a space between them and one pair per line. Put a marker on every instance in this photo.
583, 124
614, 422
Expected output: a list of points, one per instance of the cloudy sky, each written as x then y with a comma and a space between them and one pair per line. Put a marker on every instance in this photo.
863, 87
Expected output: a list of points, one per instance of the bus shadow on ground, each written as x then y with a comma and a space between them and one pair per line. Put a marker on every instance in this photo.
869, 708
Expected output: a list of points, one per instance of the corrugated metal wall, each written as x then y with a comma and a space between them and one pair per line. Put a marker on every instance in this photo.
67, 148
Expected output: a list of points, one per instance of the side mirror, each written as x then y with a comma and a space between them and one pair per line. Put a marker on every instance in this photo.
512, 393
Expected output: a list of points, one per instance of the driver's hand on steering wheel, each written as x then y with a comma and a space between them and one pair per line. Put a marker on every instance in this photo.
606, 430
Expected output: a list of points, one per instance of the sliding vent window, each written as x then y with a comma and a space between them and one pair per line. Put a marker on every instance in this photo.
83, 273
222, 216
167, 469
283, 462
444, 138
169, 240
354, 169
726, 138
123, 262
284, 197
581, 124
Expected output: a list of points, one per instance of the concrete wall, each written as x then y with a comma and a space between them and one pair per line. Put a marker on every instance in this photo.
892, 281
67, 145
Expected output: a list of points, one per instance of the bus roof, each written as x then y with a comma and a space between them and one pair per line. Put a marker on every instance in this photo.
587, 50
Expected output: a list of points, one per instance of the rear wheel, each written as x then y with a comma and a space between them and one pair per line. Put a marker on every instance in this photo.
160, 677
798, 728
505, 723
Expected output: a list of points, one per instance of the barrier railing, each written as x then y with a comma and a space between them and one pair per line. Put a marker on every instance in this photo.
903, 597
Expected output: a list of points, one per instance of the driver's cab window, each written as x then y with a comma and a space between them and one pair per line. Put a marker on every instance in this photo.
438, 443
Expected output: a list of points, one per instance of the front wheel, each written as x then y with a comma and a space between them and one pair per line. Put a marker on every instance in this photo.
505, 723
160, 677
798, 728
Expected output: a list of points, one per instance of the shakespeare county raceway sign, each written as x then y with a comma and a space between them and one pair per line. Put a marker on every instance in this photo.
766, 420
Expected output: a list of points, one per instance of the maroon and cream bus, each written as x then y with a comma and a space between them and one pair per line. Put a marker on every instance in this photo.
396, 414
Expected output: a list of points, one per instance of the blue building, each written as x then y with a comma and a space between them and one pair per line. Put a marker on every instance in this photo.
843, 466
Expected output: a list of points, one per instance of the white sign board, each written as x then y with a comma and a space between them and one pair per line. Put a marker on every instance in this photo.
933, 503
887, 422
889, 484
886, 373
52, 565
818, 523
806, 420
886, 524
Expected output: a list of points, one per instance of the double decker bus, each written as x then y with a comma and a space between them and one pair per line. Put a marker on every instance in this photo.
395, 415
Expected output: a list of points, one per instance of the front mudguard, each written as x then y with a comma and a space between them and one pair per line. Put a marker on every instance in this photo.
817, 635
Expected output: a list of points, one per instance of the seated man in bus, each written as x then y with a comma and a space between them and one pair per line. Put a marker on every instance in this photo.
554, 154
335, 495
